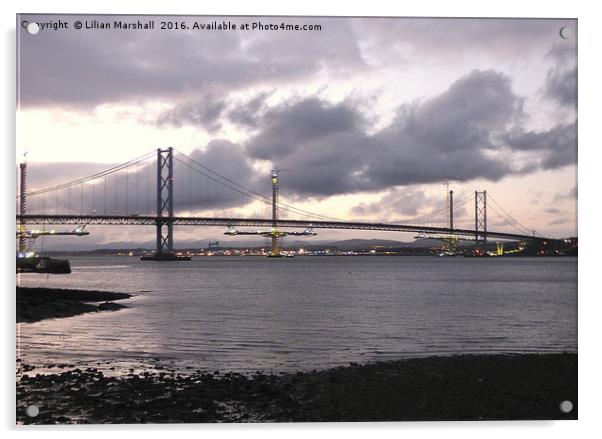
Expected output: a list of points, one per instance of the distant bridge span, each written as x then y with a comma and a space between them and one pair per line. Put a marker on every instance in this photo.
123, 192
258, 222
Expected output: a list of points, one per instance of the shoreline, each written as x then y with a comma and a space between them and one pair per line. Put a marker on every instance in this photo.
460, 387
37, 304
528, 386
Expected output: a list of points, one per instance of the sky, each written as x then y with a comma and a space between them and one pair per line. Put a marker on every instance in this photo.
368, 116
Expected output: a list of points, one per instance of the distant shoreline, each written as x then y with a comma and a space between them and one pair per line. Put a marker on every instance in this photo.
461, 387
36, 304
137, 255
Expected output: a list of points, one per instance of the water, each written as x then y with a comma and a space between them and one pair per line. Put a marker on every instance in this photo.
253, 313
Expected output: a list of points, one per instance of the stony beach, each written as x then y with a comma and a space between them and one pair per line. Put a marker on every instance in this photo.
464, 387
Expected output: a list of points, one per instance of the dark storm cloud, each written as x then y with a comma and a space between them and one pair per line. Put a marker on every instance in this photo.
204, 112
249, 113
211, 110
402, 204
467, 132
446, 137
88, 68
561, 86
468, 38
464, 117
557, 146
563, 52
306, 120
461, 134
203, 191
400, 201
561, 80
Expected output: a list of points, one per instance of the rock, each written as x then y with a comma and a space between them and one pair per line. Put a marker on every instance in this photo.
110, 306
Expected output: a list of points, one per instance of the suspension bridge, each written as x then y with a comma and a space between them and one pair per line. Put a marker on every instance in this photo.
166, 188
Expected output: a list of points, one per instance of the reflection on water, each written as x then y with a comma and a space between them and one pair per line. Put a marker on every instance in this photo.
254, 313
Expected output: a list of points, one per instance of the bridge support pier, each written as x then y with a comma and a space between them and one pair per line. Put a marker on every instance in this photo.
275, 248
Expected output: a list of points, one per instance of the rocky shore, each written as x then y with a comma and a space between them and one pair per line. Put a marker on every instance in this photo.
464, 387
35, 304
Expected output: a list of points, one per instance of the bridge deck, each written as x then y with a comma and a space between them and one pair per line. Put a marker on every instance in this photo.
259, 222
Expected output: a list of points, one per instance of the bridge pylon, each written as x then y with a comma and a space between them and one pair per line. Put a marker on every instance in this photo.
22, 204
164, 219
480, 217
275, 238
451, 210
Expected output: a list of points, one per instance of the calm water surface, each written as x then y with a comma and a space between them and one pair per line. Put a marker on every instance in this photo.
253, 313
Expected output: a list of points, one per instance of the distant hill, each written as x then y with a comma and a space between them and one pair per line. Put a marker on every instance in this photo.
347, 244
350, 244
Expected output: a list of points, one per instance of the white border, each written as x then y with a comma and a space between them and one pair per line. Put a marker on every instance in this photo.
590, 307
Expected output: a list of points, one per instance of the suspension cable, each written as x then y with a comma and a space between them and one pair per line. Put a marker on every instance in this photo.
515, 224
248, 192
91, 177
513, 221
460, 203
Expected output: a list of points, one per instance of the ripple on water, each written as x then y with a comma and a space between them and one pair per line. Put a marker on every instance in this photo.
242, 314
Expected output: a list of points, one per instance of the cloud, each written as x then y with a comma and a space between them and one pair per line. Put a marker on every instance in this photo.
200, 189
552, 210
472, 130
85, 69
559, 221
450, 136
563, 53
210, 111
558, 146
561, 86
570, 194
536, 198
453, 39
306, 120
249, 113
561, 80
472, 124
407, 202
204, 112
458, 135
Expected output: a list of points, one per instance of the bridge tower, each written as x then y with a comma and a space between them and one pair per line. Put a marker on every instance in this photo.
451, 210
164, 221
22, 203
164, 201
480, 217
